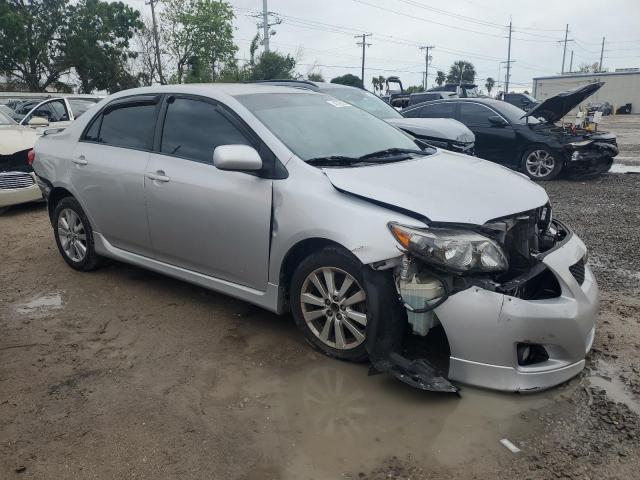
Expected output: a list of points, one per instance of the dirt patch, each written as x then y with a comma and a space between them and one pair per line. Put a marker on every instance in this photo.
122, 373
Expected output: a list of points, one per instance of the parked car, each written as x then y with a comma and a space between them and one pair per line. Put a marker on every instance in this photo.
296, 201
442, 132
56, 112
398, 97
17, 181
531, 141
521, 100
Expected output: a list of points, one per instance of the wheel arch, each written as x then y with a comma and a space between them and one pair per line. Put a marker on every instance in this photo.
56, 194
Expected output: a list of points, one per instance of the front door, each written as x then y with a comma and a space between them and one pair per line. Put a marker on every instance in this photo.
493, 142
107, 169
203, 219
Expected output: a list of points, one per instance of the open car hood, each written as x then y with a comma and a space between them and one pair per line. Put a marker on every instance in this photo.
15, 138
440, 128
443, 187
554, 108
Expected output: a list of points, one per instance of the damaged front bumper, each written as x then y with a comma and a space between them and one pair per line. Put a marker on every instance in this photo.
591, 157
485, 328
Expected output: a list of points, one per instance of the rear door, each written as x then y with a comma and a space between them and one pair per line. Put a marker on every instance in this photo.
108, 167
203, 219
493, 142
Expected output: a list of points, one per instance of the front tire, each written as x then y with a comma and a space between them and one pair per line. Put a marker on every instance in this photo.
541, 164
328, 302
74, 235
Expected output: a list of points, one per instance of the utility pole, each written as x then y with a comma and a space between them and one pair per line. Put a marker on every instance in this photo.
601, 54
571, 63
509, 61
157, 41
265, 25
426, 48
364, 45
564, 50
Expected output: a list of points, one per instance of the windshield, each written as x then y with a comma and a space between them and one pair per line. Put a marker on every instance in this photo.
514, 114
366, 101
316, 125
5, 120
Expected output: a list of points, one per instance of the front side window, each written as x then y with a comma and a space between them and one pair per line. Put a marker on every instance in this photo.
475, 115
194, 128
53, 111
129, 125
316, 125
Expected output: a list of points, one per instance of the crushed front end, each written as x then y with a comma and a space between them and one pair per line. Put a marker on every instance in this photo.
592, 155
515, 297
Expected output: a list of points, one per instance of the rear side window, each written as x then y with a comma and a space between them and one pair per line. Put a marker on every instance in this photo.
475, 115
129, 125
193, 129
436, 110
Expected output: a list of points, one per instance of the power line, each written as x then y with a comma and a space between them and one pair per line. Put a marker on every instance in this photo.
564, 50
426, 48
364, 48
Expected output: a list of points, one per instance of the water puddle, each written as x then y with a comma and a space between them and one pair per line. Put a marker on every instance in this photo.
41, 305
605, 377
334, 411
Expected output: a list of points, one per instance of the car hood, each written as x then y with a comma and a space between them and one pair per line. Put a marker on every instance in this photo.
443, 187
554, 108
442, 128
14, 138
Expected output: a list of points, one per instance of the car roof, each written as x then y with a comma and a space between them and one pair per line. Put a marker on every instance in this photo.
231, 89
491, 102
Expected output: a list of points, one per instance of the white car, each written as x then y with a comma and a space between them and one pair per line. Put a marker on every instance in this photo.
55, 112
17, 181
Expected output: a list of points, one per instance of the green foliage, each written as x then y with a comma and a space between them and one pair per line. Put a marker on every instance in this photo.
201, 29
272, 65
30, 46
348, 79
489, 84
315, 77
461, 66
96, 44
414, 89
440, 77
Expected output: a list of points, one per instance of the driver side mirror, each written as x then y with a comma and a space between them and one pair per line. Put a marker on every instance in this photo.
498, 121
237, 158
38, 122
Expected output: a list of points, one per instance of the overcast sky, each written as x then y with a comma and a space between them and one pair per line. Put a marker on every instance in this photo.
320, 34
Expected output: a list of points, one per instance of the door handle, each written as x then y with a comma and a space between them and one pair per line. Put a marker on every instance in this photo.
158, 176
80, 160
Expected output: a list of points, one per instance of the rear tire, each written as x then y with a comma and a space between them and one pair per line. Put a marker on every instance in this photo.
541, 164
74, 235
328, 302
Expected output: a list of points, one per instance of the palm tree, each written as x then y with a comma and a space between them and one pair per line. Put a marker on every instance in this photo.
375, 83
489, 84
440, 77
381, 82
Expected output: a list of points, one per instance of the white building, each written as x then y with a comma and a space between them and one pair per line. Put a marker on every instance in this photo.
620, 87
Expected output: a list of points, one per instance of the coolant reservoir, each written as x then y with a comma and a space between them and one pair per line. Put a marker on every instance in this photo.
417, 293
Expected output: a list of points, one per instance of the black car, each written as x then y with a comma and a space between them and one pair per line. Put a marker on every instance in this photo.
521, 100
530, 141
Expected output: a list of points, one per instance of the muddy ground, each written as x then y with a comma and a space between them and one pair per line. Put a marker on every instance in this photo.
122, 373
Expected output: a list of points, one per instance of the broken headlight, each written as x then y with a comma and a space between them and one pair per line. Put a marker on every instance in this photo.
459, 251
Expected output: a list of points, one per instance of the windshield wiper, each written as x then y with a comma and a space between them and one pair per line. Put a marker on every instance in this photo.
392, 152
333, 160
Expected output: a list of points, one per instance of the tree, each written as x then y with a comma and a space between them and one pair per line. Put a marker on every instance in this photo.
381, 84
489, 84
30, 47
461, 71
315, 76
440, 77
271, 65
589, 68
348, 79
95, 43
198, 28
414, 89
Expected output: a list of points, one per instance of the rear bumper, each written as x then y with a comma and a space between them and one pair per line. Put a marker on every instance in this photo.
484, 329
15, 196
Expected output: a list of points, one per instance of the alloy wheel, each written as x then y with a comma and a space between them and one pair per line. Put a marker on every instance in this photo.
72, 235
333, 306
540, 163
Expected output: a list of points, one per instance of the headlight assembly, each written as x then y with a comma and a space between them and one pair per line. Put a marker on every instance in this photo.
459, 251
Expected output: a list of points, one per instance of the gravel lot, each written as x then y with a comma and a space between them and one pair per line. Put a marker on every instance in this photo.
122, 373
